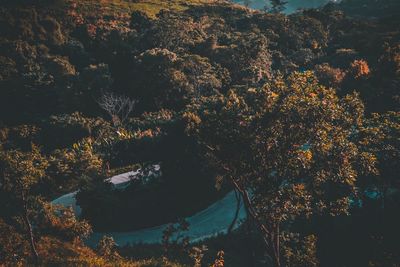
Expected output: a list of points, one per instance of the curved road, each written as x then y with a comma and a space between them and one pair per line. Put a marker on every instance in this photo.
207, 223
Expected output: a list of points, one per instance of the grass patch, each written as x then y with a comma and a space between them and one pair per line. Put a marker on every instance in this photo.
150, 7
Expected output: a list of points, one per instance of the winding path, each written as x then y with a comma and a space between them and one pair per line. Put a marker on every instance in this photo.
207, 223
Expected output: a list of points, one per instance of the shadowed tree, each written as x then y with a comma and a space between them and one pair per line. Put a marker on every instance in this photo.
118, 107
19, 172
289, 149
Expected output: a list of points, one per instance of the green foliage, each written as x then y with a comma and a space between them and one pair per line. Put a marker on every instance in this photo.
304, 150
107, 248
300, 251
20, 171
247, 59
14, 249
289, 142
174, 80
380, 136
60, 222
68, 168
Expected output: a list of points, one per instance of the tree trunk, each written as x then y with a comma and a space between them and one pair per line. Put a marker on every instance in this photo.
275, 247
270, 238
30, 230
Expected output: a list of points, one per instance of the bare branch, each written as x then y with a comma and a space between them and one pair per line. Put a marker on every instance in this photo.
117, 106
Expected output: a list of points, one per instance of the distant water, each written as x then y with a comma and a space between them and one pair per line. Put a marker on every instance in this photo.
291, 6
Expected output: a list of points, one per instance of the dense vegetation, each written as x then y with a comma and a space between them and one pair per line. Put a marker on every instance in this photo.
299, 114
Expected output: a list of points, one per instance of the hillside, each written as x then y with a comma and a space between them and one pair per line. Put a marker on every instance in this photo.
297, 113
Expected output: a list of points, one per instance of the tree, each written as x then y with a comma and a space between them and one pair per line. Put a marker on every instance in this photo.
14, 249
107, 248
380, 136
69, 167
169, 80
20, 171
60, 222
359, 69
329, 76
118, 107
288, 148
249, 60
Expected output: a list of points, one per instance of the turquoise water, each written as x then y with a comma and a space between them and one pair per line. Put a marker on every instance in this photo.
212, 221
291, 6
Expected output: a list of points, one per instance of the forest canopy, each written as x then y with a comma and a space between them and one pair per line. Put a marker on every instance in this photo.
298, 114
